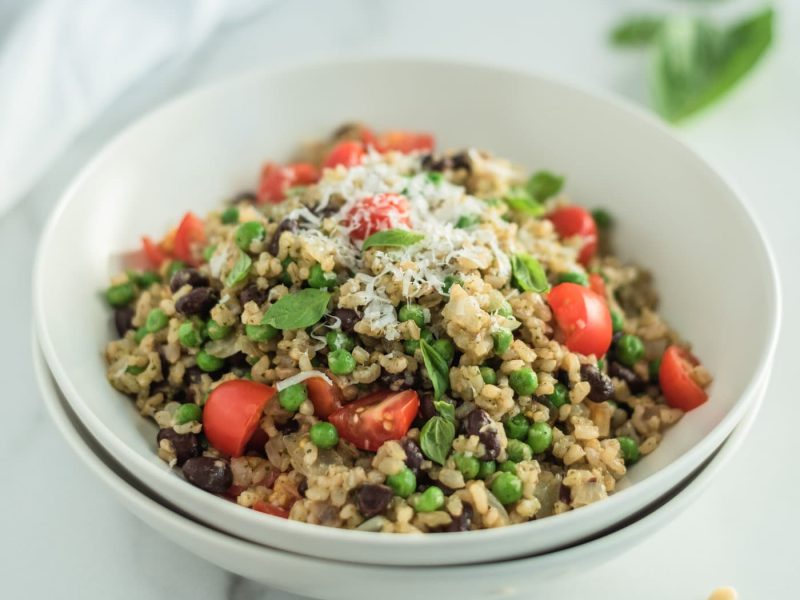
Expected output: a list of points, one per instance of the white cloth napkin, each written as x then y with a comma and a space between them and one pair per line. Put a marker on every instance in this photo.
63, 61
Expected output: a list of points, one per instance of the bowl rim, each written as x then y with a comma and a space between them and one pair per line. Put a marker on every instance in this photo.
314, 532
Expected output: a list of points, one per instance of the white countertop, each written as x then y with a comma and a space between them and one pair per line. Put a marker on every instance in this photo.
64, 536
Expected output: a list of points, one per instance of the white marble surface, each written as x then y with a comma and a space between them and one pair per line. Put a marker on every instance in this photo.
64, 536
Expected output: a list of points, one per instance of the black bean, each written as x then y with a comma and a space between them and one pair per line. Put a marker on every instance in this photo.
463, 521
563, 377
192, 375
302, 487
397, 381
426, 408
274, 243
210, 474
461, 160
290, 426
253, 293
325, 211
635, 383
414, 455
373, 499
123, 319
191, 277
197, 302
453, 162
491, 442
564, 494
601, 388
245, 196
186, 445
348, 317
475, 421
429, 163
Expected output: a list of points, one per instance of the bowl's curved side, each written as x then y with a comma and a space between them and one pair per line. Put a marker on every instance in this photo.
74, 230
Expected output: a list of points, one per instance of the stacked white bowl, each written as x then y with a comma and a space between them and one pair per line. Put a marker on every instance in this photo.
674, 214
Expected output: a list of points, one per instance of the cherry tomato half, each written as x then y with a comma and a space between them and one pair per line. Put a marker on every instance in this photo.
376, 213
276, 179
597, 285
154, 253
675, 379
583, 317
232, 413
405, 141
378, 417
325, 397
189, 237
574, 220
270, 509
348, 153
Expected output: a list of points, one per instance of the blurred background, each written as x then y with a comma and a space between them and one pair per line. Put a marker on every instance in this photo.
73, 73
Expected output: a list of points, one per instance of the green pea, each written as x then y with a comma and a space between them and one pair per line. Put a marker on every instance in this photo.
467, 221
230, 215
523, 381
249, 232
617, 321
292, 397
517, 427
602, 218
140, 333
573, 277
488, 375
630, 349
430, 500
403, 483
502, 341
505, 310
540, 437
559, 396
317, 278
487, 469
208, 363
445, 349
261, 333
411, 346
629, 448
156, 320
323, 435
135, 370
412, 312
507, 488
508, 466
449, 280
341, 362
601, 363
188, 335
121, 294
435, 177
208, 252
216, 331
174, 267
187, 413
653, 368
144, 279
468, 465
518, 451
339, 340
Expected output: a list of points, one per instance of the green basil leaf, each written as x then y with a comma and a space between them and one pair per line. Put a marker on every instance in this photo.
695, 63
544, 184
520, 200
527, 274
239, 271
436, 437
445, 409
298, 310
437, 367
636, 31
392, 237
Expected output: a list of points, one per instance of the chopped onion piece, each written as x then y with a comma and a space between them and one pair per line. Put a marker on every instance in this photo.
302, 376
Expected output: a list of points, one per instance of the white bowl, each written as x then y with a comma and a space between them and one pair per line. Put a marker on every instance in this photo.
313, 576
675, 214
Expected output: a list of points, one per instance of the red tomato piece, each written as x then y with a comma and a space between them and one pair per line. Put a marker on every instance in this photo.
405, 141
234, 491
325, 397
378, 417
270, 509
348, 153
574, 220
275, 179
376, 213
597, 285
154, 253
675, 378
583, 317
232, 414
189, 237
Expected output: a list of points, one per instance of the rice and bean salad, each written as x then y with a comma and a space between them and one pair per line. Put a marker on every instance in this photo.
385, 337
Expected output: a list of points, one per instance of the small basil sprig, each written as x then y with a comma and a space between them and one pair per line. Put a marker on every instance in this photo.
298, 310
239, 271
436, 437
393, 237
527, 274
445, 409
636, 32
544, 184
438, 370
519, 200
